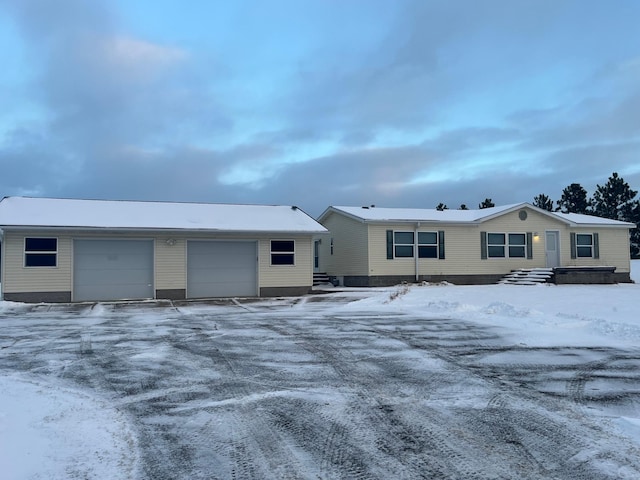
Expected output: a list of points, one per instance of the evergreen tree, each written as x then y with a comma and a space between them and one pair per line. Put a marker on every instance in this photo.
615, 199
574, 200
486, 203
441, 206
544, 202
463, 207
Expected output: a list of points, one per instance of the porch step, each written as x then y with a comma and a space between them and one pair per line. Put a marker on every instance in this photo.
528, 276
320, 278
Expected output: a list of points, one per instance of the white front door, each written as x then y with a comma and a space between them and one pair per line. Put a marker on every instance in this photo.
552, 248
316, 256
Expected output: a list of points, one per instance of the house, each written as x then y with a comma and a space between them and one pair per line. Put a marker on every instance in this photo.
371, 246
65, 250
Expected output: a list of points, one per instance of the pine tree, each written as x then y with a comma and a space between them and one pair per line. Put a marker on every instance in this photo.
486, 203
463, 207
544, 202
616, 200
441, 207
574, 200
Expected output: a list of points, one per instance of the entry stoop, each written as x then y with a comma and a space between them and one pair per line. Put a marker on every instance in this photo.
528, 276
320, 278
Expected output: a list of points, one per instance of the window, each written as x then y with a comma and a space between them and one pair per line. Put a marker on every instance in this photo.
502, 245
428, 244
517, 245
282, 252
403, 244
584, 245
40, 252
495, 245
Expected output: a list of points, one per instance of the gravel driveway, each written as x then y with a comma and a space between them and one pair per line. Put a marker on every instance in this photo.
288, 389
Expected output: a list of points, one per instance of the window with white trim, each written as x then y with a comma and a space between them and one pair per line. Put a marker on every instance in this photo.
428, 244
506, 245
40, 252
517, 245
283, 252
496, 245
403, 244
584, 245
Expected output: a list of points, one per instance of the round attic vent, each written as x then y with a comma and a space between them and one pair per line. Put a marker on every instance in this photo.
522, 214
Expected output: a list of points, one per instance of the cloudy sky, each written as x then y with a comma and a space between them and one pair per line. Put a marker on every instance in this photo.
318, 102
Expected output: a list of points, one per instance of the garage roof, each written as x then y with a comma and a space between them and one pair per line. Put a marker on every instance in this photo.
117, 214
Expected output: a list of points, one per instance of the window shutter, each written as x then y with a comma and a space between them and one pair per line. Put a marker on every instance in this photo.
389, 244
574, 251
596, 245
529, 245
483, 245
441, 244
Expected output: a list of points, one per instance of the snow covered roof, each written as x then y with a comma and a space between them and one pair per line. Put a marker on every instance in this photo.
116, 214
382, 214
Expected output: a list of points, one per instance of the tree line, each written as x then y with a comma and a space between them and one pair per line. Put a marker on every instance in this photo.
614, 200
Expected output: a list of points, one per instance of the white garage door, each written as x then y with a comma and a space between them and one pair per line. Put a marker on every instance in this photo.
221, 269
112, 269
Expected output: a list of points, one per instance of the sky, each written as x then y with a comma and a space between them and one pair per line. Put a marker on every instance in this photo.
396, 103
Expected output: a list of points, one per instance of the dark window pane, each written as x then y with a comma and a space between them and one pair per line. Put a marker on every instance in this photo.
403, 237
517, 239
282, 245
281, 259
40, 260
517, 252
496, 239
584, 252
41, 244
584, 239
427, 252
495, 252
428, 238
404, 251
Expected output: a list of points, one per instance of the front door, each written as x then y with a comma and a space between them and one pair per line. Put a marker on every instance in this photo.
552, 249
316, 256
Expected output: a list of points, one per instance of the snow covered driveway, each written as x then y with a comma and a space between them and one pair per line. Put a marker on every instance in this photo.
319, 388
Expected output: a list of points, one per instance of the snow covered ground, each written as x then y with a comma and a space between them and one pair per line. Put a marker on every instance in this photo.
405, 381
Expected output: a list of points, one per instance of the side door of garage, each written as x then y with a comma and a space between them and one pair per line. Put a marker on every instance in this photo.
112, 269
222, 268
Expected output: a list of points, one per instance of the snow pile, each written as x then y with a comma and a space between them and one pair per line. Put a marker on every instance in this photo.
48, 430
542, 315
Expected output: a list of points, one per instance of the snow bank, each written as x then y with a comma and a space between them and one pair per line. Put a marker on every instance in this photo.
543, 315
48, 430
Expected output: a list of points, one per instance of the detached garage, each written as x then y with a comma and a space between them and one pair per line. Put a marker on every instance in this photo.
65, 250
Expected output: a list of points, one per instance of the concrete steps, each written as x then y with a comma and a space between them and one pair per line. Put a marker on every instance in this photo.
320, 278
528, 276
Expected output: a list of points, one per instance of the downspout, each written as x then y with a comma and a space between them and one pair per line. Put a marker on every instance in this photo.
415, 251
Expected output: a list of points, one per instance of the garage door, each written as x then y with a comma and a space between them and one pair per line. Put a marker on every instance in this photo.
112, 269
221, 269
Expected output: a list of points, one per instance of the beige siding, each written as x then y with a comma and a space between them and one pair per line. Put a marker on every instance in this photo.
170, 261
300, 274
18, 279
614, 249
350, 246
463, 255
